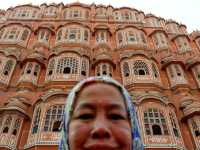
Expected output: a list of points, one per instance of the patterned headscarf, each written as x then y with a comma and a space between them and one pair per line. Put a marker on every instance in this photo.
136, 137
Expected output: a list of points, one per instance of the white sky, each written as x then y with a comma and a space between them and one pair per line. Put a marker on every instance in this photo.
182, 11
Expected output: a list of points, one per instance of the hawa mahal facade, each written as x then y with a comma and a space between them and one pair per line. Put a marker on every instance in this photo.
45, 50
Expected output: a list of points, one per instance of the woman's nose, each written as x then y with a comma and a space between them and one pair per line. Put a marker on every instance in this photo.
101, 129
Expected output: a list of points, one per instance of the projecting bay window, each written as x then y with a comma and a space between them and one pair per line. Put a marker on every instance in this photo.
182, 44
131, 36
44, 36
30, 73
68, 67
140, 71
196, 73
72, 34
6, 66
104, 69
160, 40
194, 124
9, 130
176, 74
14, 34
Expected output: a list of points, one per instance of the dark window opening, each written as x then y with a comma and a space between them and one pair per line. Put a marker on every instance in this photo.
56, 126
178, 74
83, 73
35, 129
28, 71
110, 74
5, 73
67, 70
127, 74
5, 130
98, 74
156, 130
104, 73
197, 133
141, 72
176, 132
50, 72
14, 132
35, 73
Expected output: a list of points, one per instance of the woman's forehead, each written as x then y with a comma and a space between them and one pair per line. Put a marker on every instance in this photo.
99, 91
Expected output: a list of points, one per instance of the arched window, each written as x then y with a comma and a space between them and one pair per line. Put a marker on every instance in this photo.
8, 67
7, 124
16, 127
59, 35
140, 68
154, 122
174, 125
51, 67
126, 69
36, 120
24, 35
54, 118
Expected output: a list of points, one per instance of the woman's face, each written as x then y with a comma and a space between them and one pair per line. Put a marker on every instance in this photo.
99, 120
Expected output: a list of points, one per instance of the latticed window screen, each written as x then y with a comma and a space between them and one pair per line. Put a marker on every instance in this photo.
8, 67
126, 69
7, 124
24, 35
1, 33
1, 122
29, 68
36, 70
195, 127
36, 120
51, 67
140, 68
67, 65
16, 126
174, 125
154, 122
197, 72
171, 73
54, 118
104, 69
84, 67
177, 69
155, 71
120, 37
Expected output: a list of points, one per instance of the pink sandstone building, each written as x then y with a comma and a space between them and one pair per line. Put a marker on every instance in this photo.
45, 50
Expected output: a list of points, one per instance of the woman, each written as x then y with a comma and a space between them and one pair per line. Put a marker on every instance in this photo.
99, 115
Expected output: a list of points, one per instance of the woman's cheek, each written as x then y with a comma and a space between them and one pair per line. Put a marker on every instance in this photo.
78, 133
122, 133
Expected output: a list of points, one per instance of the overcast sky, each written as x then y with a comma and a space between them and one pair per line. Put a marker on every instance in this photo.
183, 11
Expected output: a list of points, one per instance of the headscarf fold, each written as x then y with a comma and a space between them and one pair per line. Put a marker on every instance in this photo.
136, 136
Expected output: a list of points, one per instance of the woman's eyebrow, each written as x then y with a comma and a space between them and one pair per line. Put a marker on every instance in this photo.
84, 106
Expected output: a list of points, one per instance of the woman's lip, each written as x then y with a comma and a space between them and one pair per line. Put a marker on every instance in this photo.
100, 146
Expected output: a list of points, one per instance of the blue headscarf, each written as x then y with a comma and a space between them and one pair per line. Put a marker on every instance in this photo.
136, 137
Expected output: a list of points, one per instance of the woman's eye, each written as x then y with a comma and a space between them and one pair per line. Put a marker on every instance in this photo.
116, 117
85, 116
